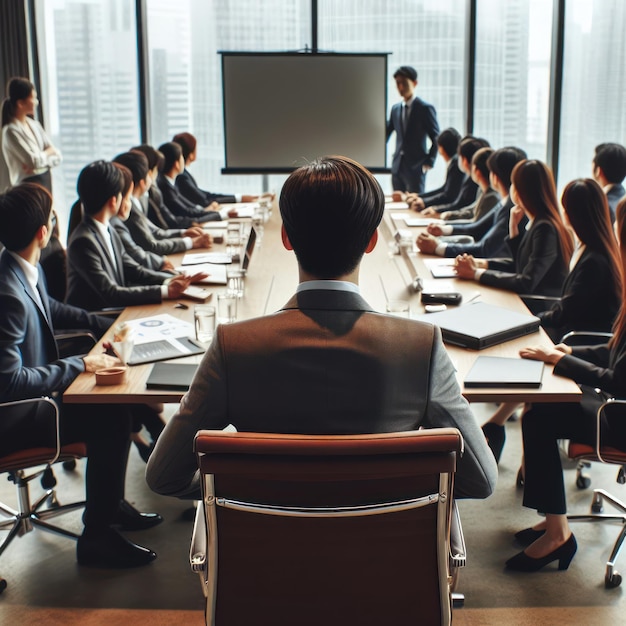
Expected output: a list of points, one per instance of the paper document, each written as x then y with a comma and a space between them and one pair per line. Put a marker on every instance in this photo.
197, 258
216, 273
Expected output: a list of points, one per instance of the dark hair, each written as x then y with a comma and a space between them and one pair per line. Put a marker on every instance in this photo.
502, 162
17, 89
611, 159
619, 327
449, 139
136, 162
331, 190
154, 156
24, 209
407, 71
127, 178
187, 142
588, 212
97, 183
534, 184
171, 153
469, 145
479, 161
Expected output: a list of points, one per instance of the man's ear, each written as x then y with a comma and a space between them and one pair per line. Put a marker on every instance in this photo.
373, 241
285, 238
42, 233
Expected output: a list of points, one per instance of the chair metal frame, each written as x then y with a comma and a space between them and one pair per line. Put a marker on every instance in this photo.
30, 515
450, 552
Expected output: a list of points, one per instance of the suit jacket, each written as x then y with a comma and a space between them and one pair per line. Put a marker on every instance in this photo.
151, 237
614, 195
179, 205
485, 201
411, 145
466, 196
29, 358
325, 363
589, 300
188, 186
94, 281
537, 267
159, 214
450, 188
150, 260
490, 234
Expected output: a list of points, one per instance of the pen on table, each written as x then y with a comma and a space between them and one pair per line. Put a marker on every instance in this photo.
474, 297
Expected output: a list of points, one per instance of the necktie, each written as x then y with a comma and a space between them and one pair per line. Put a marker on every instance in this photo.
405, 116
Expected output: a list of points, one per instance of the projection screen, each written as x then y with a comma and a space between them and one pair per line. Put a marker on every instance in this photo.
282, 110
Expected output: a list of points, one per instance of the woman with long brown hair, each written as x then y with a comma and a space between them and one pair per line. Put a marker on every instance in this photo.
542, 253
601, 370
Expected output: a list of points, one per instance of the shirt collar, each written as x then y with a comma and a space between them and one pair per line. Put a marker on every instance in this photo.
31, 272
171, 180
409, 103
103, 230
329, 285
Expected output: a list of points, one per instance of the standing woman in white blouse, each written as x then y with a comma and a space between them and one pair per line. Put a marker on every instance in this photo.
27, 150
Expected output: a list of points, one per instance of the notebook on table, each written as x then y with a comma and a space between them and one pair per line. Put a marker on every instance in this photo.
496, 371
441, 268
164, 349
480, 325
175, 376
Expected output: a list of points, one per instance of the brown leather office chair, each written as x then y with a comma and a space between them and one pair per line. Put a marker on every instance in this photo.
30, 515
605, 454
307, 529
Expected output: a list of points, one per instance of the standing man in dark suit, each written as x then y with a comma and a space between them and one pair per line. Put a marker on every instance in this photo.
30, 367
413, 120
326, 362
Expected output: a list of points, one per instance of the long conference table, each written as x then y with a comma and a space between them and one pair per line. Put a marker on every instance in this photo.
271, 280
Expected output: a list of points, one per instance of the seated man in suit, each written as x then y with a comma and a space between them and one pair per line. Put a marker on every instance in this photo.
326, 362
148, 235
609, 171
488, 233
187, 184
174, 165
101, 274
30, 367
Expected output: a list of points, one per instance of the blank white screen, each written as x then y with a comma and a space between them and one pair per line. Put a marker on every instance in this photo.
281, 111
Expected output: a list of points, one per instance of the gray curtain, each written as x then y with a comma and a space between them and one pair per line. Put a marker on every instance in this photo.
13, 42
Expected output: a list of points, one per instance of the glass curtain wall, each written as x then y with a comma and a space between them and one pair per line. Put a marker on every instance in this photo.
594, 83
184, 67
513, 51
428, 35
88, 63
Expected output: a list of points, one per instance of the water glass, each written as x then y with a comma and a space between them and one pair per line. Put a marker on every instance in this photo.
204, 321
226, 307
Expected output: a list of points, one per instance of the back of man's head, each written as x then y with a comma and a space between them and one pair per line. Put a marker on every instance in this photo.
136, 162
187, 142
155, 158
448, 141
97, 183
331, 208
469, 145
479, 161
502, 162
24, 209
171, 155
611, 159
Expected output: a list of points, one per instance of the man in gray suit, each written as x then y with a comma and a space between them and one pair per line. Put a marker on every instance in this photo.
326, 362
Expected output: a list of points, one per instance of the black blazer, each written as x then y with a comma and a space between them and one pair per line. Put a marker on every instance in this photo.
188, 186
450, 188
537, 267
149, 260
152, 238
179, 205
466, 196
94, 281
589, 300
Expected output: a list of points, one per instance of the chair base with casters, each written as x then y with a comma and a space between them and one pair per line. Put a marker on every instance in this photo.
327, 529
30, 515
605, 454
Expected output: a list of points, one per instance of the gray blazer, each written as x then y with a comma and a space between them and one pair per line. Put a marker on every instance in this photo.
325, 363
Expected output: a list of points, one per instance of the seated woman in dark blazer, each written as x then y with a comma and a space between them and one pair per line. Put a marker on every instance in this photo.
594, 367
592, 292
542, 253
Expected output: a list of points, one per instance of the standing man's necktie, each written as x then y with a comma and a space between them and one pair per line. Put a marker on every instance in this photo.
405, 116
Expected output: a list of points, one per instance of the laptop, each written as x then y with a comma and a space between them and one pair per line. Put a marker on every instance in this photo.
497, 371
480, 325
175, 376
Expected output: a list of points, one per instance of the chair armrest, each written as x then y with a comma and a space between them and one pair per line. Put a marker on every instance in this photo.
458, 550
74, 342
585, 338
198, 547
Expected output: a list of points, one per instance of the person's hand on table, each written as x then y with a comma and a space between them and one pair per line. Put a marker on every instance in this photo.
214, 206
400, 196
202, 241
194, 231
465, 266
427, 243
177, 285
415, 202
233, 213
167, 266
550, 355
434, 229
430, 212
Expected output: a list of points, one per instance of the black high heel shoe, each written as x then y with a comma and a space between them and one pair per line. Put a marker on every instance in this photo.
528, 535
564, 554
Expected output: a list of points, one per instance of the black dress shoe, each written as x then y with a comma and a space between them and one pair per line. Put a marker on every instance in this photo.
129, 518
564, 554
107, 548
528, 535
496, 436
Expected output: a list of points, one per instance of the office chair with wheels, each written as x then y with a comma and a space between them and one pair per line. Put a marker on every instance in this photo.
308, 529
605, 454
30, 515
